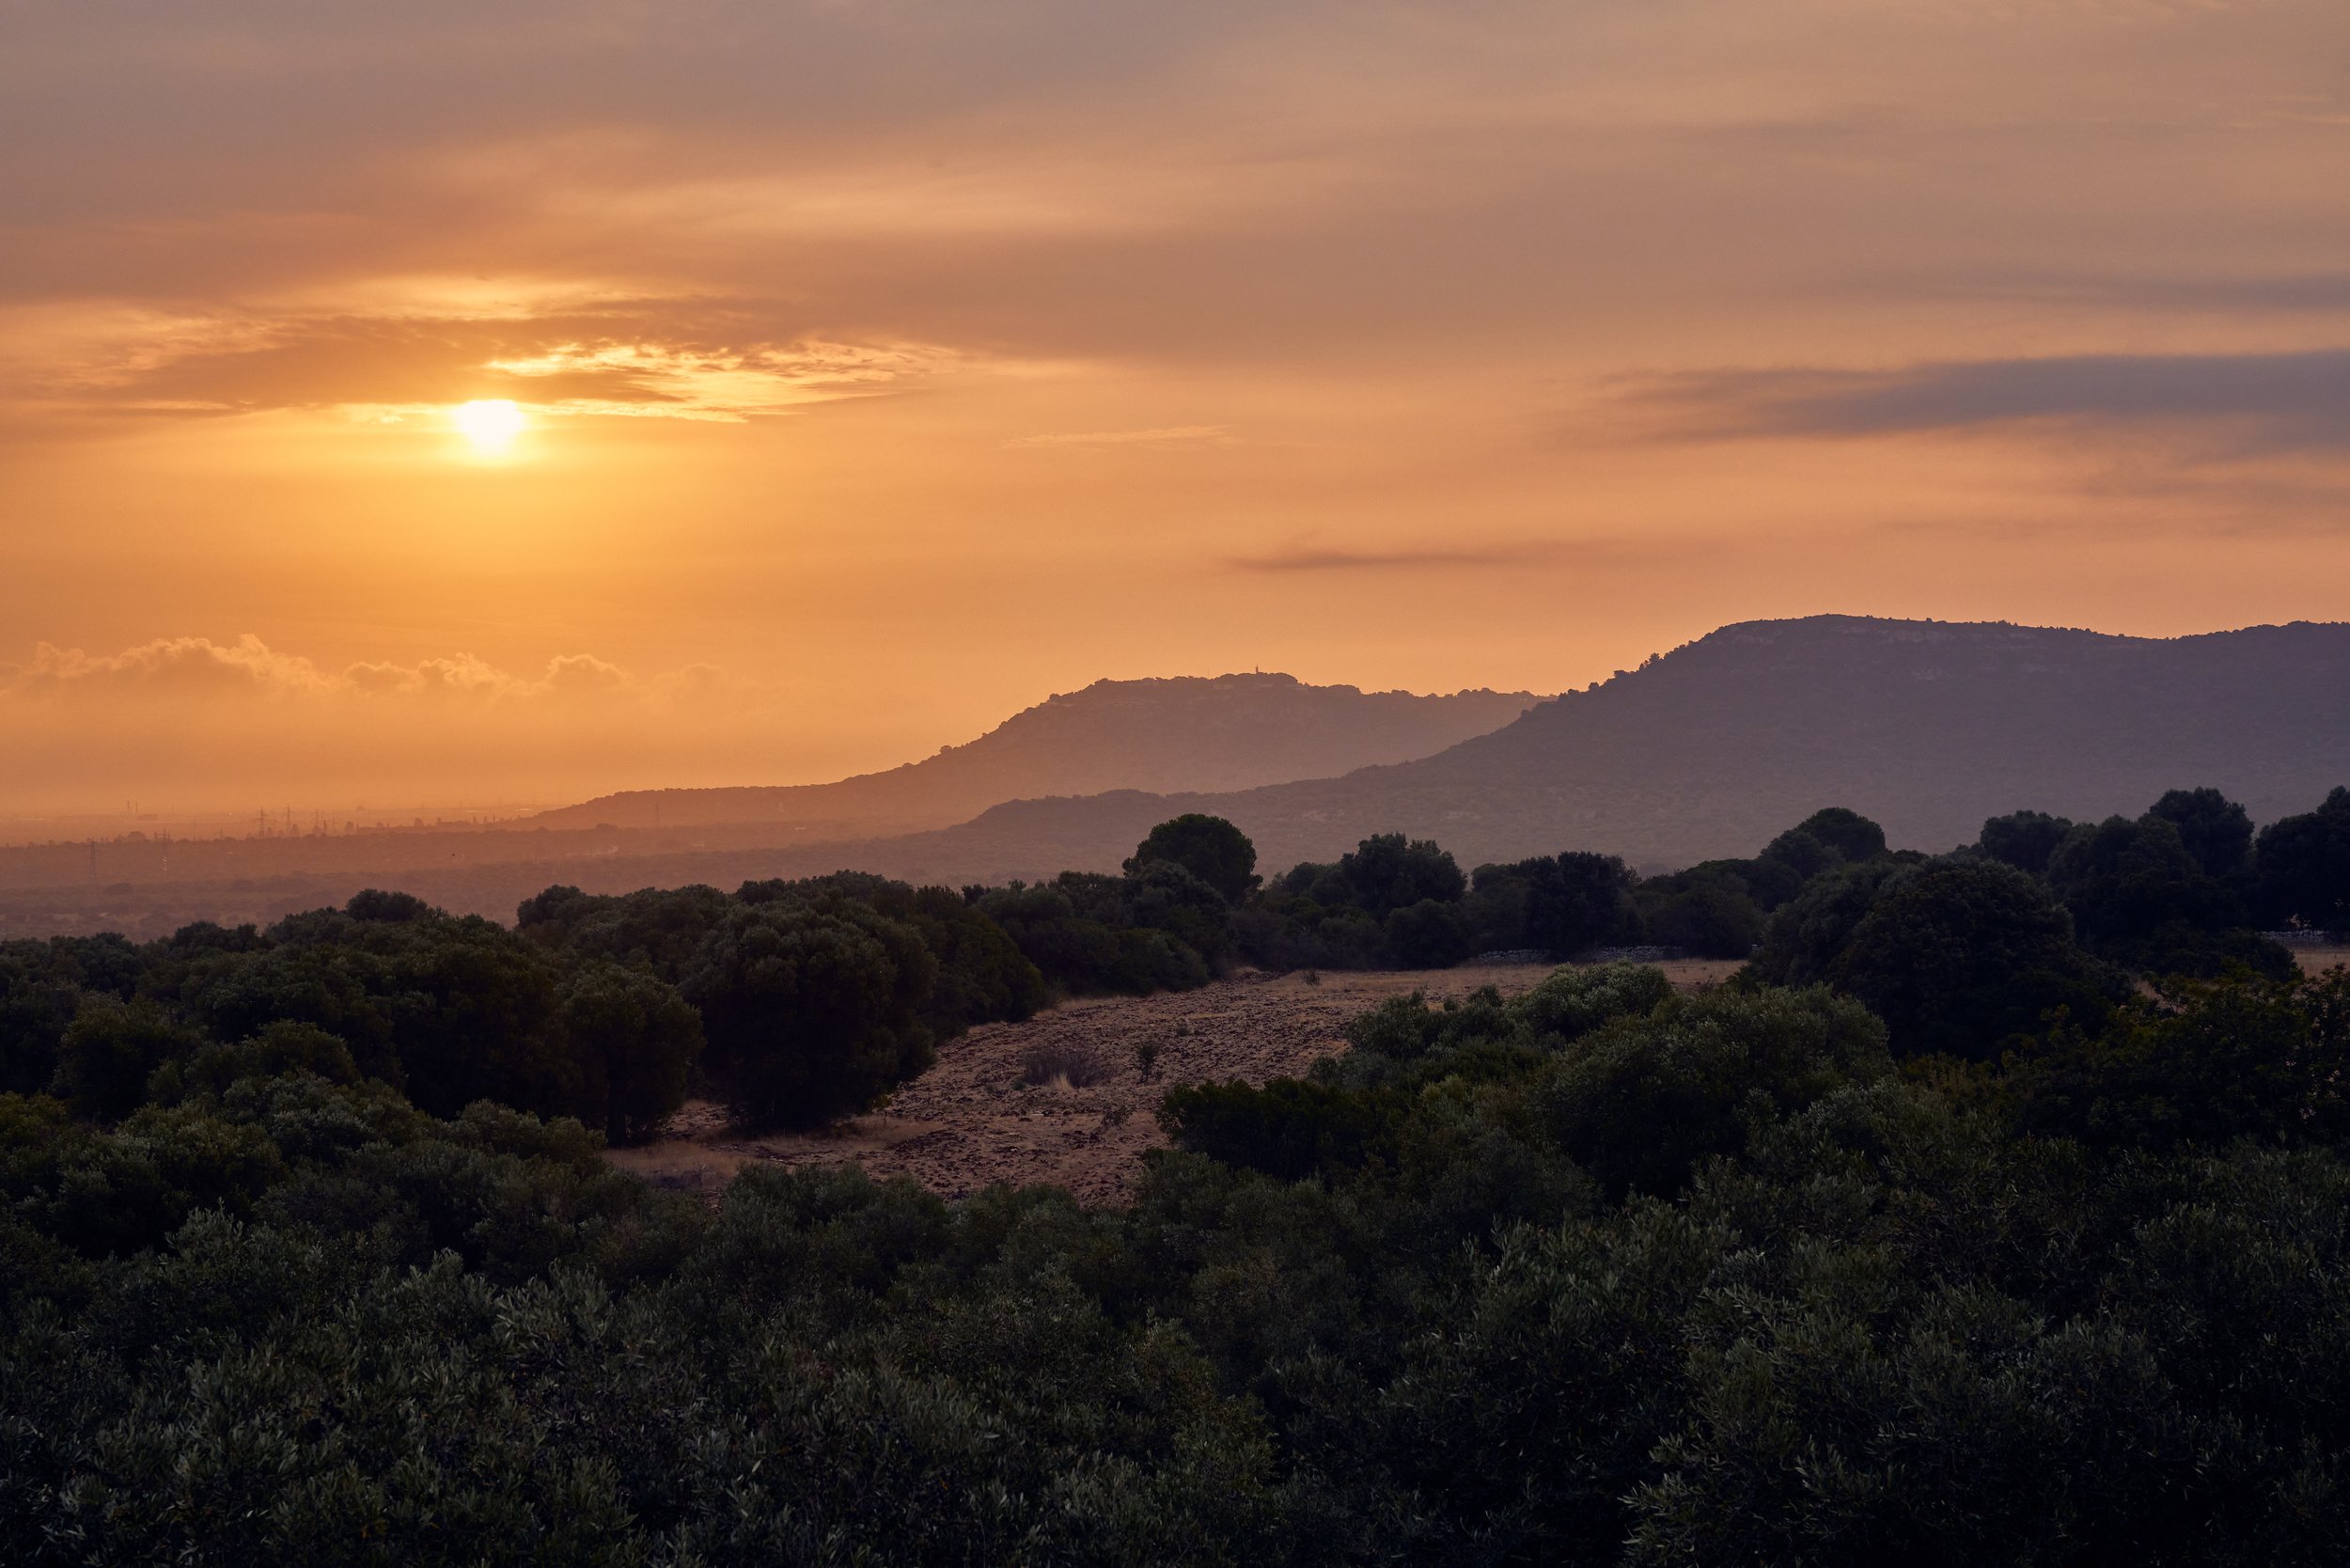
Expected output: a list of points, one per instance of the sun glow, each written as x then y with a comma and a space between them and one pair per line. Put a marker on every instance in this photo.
489, 423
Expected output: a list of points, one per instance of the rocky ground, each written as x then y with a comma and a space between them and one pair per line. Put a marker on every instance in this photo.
978, 1118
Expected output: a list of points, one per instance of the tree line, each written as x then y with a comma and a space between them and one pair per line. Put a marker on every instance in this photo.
797, 1002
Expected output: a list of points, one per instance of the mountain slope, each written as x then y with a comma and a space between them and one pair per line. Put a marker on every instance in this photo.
1220, 733
1929, 726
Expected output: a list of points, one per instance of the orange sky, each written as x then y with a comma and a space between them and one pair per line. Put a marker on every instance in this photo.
891, 365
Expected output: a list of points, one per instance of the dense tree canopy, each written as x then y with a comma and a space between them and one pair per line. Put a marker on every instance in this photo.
2304, 867
1928, 1239
2180, 891
2024, 840
810, 1013
1384, 873
1559, 904
1808, 935
635, 1040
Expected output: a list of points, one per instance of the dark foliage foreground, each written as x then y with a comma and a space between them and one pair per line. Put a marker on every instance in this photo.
1599, 1275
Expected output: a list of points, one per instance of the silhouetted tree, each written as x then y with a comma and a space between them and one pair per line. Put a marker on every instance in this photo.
1387, 872
1560, 904
1495, 905
660, 928
981, 978
1831, 837
2215, 831
374, 904
36, 1005
475, 1018
2125, 879
1210, 848
2024, 840
2304, 867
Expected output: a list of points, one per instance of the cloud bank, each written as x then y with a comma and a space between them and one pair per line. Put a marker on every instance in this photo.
195, 723
2278, 400
196, 669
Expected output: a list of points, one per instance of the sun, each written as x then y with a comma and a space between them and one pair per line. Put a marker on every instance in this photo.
489, 423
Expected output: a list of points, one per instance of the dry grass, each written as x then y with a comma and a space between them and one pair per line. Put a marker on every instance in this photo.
983, 1115
1063, 1065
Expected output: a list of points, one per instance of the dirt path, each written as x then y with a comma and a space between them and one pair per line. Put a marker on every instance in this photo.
974, 1119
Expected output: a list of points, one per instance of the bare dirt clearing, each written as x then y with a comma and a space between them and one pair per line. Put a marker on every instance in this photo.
976, 1119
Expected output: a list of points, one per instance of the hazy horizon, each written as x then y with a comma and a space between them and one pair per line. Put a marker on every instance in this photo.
260, 803
150, 686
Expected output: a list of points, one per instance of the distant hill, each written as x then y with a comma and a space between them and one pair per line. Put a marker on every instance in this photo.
1929, 726
1184, 734
1165, 736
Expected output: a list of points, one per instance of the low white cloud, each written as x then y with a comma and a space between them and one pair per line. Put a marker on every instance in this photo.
184, 668
172, 666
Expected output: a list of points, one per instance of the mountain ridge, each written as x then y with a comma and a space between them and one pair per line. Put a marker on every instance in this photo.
1162, 734
1707, 750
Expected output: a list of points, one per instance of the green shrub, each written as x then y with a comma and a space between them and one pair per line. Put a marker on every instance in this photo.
1288, 1129
1570, 1003
1639, 1102
282, 1048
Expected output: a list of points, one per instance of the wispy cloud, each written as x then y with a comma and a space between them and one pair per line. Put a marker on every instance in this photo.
1169, 433
693, 359
679, 382
2265, 400
1307, 557
2251, 294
